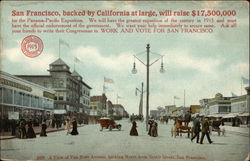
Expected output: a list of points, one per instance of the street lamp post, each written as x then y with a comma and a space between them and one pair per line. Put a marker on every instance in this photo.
134, 71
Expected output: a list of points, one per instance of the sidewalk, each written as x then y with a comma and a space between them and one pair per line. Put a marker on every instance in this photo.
37, 129
237, 130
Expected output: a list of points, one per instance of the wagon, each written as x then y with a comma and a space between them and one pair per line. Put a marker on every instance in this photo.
108, 123
181, 126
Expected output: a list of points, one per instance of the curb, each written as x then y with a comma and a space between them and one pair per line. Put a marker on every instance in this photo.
37, 133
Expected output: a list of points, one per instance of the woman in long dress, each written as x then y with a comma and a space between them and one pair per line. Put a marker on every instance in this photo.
22, 128
67, 126
154, 130
150, 122
43, 130
74, 130
30, 132
133, 131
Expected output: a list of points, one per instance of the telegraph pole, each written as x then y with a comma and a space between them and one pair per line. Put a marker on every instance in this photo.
147, 102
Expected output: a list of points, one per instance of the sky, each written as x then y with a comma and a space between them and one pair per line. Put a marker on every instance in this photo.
200, 64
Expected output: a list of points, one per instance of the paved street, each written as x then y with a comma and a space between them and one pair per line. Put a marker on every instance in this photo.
94, 145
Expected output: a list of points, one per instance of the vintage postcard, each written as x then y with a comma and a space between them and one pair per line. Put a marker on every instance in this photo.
124, 80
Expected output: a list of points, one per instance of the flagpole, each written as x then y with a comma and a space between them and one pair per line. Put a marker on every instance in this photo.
103, 85
74, 65
241, 86
184, 97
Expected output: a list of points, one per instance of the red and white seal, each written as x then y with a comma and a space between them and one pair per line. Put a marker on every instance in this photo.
32, 46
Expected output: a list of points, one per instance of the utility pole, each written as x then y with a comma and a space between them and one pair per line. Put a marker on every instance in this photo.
134, 71
141, 105
147, 102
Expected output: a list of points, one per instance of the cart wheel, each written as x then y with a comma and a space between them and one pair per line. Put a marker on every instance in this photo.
110, 128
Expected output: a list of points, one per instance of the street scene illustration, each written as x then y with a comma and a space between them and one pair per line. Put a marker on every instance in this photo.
141, 81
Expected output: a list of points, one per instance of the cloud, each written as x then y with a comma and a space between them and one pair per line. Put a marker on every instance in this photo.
91, 56
36, 65
183, 59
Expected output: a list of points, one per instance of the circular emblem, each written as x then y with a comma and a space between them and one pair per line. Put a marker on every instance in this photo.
32, 46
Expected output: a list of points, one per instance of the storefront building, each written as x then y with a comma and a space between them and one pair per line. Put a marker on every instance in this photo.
72, 94
240, 112
20, 98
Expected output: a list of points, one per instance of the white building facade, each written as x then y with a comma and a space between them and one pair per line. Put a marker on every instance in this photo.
23, 97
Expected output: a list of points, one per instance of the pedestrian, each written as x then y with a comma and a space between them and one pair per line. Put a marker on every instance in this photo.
205, 131
50, 122
57, 123
43, 130
13, 127
30, 132
154, 129
74, 130
22, 126
67, 126
6, 124
150, 122
197, 129
133, 131
53, 123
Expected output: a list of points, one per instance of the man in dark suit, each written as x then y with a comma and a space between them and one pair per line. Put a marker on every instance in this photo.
197, 129
205, 131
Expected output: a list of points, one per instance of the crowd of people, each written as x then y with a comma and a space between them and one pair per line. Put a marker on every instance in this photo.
200, 125
24, 128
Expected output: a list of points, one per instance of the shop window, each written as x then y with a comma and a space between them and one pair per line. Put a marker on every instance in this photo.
26, 100
18, 98
7, 96
60, 98
34, 101
40, 102
224, 109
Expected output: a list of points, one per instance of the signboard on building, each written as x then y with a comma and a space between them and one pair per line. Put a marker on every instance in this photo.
14, 84
48, 95
13, 115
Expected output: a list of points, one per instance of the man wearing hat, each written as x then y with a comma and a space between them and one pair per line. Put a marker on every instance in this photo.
205, 131
197, 129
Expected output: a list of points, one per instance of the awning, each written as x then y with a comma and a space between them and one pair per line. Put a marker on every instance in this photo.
59, 111
195, 115
244, 114
216, 115
231, 115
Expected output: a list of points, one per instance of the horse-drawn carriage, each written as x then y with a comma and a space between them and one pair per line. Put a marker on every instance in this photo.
215, 126
109, 123
180, 127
